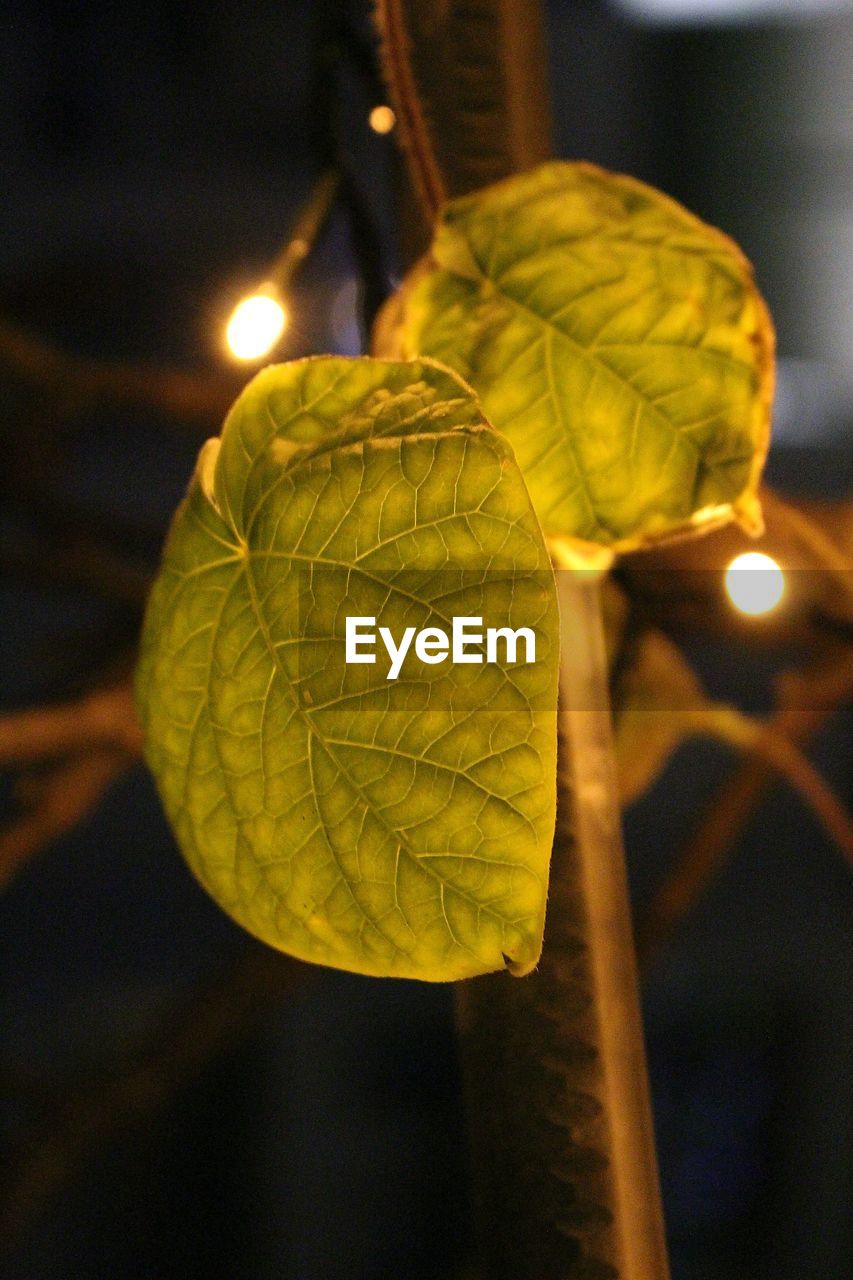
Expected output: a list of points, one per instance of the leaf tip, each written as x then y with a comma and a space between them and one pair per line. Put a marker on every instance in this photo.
520, 968
749, 515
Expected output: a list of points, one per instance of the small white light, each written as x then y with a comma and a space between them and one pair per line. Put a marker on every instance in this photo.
382, 119
755, 583
255, 326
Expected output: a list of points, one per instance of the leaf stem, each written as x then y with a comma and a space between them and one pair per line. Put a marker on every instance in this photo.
564, 1179
586, 727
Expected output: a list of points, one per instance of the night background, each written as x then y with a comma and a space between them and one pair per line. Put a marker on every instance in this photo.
153, 156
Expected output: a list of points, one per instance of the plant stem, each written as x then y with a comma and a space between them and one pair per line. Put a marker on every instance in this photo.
563, 1168
468, 82
586, 726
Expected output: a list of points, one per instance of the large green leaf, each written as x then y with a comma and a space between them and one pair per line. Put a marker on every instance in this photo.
617, 341
398, 827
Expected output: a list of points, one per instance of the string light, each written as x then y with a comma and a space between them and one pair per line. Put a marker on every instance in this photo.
256, 324
382, 119
260, 318
755, 583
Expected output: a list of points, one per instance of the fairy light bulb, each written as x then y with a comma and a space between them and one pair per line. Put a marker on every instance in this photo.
382, 119
755, 583
255, 326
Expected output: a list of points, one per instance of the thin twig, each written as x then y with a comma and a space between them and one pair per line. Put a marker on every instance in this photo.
185, 397
104, 717
305, 230
800, 773
805, 704
717, 720
63, 797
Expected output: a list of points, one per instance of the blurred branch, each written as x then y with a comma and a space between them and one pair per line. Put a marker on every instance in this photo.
199, 1027
60, 799
105, 717
746, 733
785, 756
806, 703
198, 398
85, 745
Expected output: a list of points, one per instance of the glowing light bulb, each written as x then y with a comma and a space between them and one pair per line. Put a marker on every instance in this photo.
382, 119
755, 583
255, 326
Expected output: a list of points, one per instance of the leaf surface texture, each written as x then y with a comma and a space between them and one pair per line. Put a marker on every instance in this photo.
616, 340
388, 827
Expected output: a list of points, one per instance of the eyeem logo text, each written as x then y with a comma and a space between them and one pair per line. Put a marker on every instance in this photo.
433, 645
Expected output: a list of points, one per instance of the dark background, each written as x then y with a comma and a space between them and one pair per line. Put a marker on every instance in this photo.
151, 158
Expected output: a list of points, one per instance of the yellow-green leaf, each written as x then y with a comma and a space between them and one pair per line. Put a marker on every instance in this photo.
389, 826
616, 340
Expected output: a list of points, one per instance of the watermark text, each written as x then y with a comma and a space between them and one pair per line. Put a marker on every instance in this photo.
468, 642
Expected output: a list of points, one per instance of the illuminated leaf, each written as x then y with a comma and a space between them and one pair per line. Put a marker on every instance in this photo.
398, 827
618, 342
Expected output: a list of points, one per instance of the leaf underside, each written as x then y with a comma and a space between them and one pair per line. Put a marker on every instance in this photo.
618, 342
388, 827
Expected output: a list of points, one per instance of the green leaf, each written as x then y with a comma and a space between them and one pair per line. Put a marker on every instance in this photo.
617, 341
392, 827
